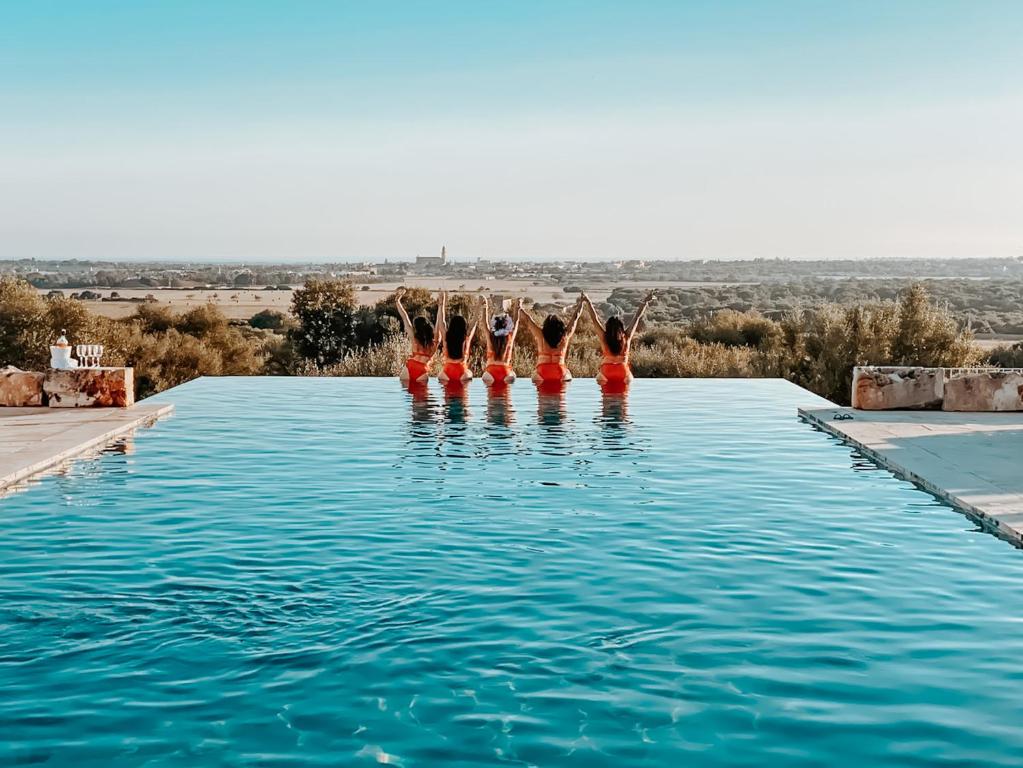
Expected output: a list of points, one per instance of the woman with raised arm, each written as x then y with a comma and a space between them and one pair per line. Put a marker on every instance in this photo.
425, 340
458, 338
500, 335
616, 342
552, 340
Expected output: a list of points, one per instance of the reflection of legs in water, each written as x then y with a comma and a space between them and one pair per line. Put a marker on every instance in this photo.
499, 406
550, 402
615, 408
422, 403
456, 401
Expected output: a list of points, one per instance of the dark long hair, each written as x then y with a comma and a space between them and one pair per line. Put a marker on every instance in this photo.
614, 334
553, 330
499, 343
454, 337
422, 331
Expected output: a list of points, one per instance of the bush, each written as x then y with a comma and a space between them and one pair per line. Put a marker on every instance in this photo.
736, 329
153, 318
325, 310
206, 320
1007, 356
268, 319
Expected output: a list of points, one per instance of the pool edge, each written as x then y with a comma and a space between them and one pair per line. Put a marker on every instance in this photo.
78, 439
1004, 520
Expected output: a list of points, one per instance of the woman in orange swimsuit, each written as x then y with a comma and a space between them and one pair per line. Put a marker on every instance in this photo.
458, 338
500, 336
425, 340
616, 343
552, 340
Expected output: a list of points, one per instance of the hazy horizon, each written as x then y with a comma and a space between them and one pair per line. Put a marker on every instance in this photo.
324, 132
213, 261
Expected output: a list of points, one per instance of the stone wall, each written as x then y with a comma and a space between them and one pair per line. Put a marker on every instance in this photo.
962, 389
20, 388
75, 388
885, 389
984, 391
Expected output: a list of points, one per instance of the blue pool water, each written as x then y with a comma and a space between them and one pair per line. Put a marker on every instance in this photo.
327, 572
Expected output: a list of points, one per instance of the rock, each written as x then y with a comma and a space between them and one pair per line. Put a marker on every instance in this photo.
882, 389
20, 388
90, 387
984, 391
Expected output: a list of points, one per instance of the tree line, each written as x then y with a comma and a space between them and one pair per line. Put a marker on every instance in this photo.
327, 333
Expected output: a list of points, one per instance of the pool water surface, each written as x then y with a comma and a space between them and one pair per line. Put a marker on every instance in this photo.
333, 572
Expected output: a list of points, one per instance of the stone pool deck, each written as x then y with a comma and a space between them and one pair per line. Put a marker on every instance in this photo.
974, 461
33, 440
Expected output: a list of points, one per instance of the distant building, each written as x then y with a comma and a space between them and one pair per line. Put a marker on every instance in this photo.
425, 263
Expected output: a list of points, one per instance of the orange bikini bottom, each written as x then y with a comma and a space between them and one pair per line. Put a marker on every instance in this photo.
615, 373
500, 372
455, 370
416, 369
552, 371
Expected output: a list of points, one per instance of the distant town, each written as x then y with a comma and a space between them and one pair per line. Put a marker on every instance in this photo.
75, 273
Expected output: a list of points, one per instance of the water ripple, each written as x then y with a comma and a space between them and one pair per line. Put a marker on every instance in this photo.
325, 572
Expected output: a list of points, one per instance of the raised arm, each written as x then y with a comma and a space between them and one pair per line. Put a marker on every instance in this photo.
534, 328
599, 326
471, 335
402, 313
440, 326
640, 311
573, 321
592, 313
485, 312
514, 314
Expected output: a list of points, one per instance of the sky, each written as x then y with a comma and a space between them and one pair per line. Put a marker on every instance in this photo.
510, 129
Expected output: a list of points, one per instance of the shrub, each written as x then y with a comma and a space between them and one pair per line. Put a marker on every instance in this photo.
153, 318
268, 319
1007, 356
736, 329
325, 310
206, 320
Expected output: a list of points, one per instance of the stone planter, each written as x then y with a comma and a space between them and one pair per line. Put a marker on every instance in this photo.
21, 389
989, 390
90, 387
894, 388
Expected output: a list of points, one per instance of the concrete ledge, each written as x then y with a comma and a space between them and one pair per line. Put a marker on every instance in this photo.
33, 440
971, 461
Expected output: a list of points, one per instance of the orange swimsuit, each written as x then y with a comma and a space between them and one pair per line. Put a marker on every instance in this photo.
416, 367
552, 368
615, 372
500, 372
455, 370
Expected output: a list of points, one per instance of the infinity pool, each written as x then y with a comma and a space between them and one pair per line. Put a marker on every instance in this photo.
331, 572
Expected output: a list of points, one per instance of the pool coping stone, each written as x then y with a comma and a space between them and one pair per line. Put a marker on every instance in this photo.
34, 440
976, 465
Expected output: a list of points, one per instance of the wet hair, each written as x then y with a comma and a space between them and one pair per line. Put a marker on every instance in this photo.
614, 334
553, 330
499, 343
422, 331
454, 337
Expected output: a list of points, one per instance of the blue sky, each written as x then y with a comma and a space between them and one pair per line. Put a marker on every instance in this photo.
297, 130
